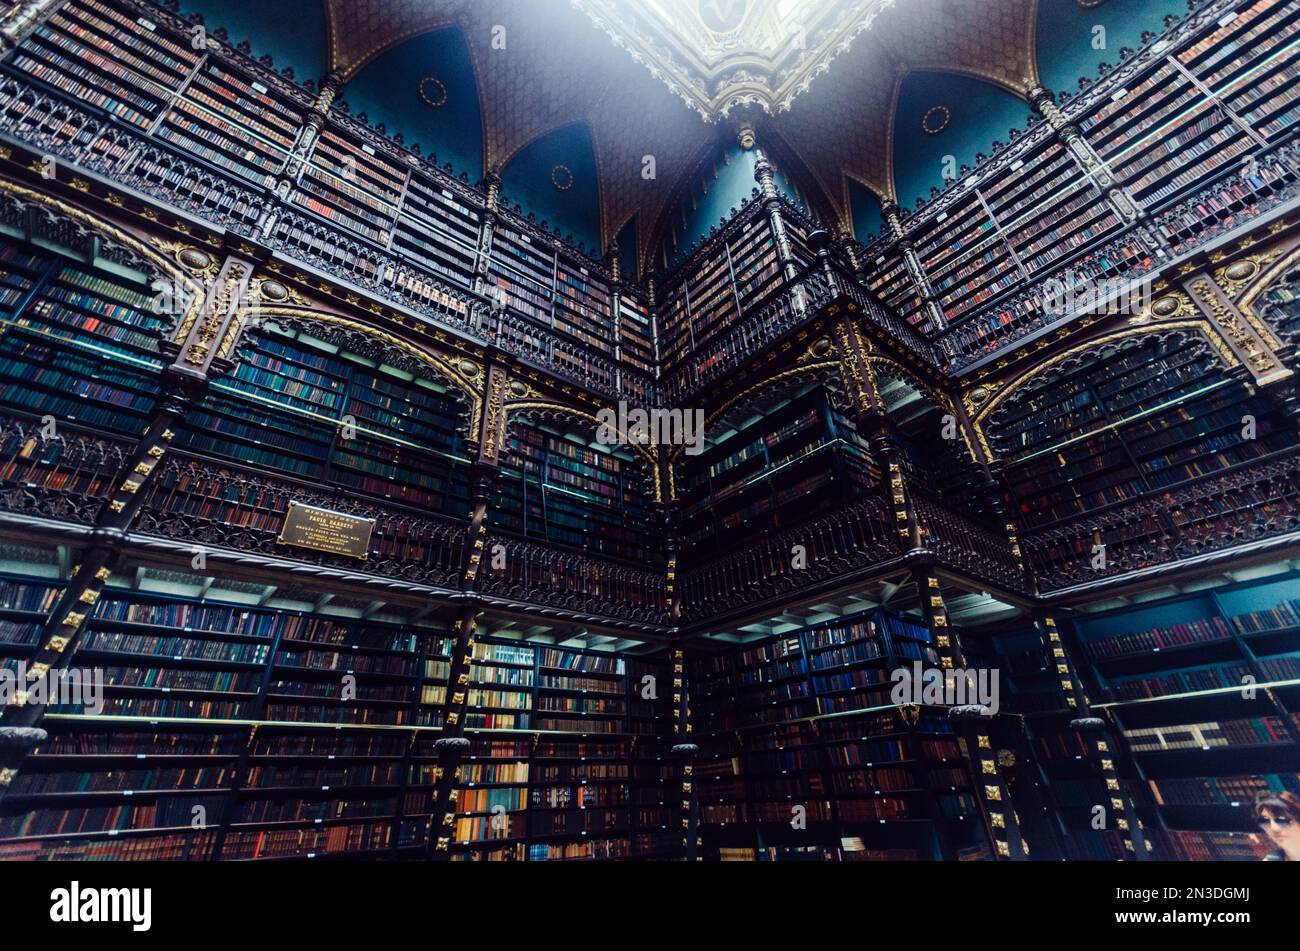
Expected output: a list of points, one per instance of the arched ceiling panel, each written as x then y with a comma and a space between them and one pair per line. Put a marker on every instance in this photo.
942, 121
847, 120
542, 65
424, 89
1072, 39
555, 177
291, 32
865, 205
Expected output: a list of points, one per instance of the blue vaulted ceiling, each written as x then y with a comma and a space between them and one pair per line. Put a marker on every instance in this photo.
554, 178
856, 139
291, 32
424, 90
864, 205
941, 123
1069, 46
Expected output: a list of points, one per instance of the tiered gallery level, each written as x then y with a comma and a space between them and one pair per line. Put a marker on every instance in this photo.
301, 453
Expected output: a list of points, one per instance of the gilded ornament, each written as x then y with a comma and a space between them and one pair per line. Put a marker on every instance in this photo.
1165, 307
273, 291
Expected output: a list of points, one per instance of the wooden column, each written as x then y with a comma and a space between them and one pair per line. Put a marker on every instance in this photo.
1100, 743
452, 746
974, 726
1249, 338
23, 20
1090, 162
685, 750
924, 290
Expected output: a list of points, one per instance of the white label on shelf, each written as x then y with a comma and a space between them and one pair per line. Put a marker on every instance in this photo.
166, 689
141, 755
128, 792
447, 194
331, 756
112, 832
325, 789
524, 237
1018, 163
368, 149
1228, 18
260, 88
880, 260
942, 217
1118, 94
583, 270
147, 24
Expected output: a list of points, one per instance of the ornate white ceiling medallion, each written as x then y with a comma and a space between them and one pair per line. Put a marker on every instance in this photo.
720, 54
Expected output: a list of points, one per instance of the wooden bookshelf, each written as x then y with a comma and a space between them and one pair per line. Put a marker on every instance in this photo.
559, 487
1171, 676
805, 719
302, 409
1122, 428
801, 456
79, 344
568, 761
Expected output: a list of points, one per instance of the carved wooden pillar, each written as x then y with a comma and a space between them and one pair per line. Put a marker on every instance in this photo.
876, 426
1100, 744
1128, 208
452, 746
23, 20
207, 335
616, 312
973, 724
924, 290
487, 228
298, 158
770, 196
1248, 337
685, 750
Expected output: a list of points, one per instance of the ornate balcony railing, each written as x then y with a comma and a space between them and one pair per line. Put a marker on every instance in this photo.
101, 145
963, 543
856, 536
1251, 503
66, 476
587, 584
1272, 182
196, 501
790, 305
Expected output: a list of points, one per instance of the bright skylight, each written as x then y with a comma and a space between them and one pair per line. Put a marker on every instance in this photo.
716, 28
718, 54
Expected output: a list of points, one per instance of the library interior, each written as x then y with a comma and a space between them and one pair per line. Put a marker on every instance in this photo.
682, 430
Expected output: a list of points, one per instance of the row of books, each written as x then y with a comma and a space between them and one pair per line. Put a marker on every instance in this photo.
1198, 736
1221, 790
